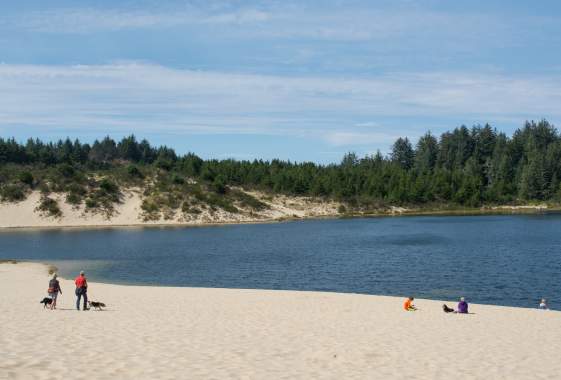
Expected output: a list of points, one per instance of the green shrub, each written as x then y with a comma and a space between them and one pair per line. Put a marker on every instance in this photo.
73, 198
199, 195
207, 174
168, 199
219, 185
12, 193
215, 200
186, 208
151, 210
26, 177
66, 170
91, 203
164, 164
103, 198
108, 186
50, 207
149, 206
250, 201
76, 189
133, 171
177, 180
44, 188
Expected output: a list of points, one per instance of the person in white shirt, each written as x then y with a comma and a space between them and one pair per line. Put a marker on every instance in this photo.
543, 305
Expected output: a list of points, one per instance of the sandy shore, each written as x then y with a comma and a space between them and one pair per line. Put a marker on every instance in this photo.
187, 333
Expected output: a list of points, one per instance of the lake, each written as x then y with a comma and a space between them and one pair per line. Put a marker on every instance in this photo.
505, 260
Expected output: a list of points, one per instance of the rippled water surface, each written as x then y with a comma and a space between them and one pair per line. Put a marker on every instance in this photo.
507, 260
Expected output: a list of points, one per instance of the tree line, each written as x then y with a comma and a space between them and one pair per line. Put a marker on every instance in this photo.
465, 166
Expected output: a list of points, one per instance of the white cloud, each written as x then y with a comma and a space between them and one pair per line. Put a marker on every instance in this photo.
368, 124
287, 20
343, 138
90, 20
82, 20
240, 17
132, 97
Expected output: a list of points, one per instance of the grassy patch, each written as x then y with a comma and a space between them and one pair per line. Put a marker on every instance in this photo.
187, 208
219, 201
248, 201
102, 196
150, 210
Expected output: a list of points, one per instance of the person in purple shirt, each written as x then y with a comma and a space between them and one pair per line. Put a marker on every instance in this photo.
462, 306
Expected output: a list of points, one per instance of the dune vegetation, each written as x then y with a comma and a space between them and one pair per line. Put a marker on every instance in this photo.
463, 168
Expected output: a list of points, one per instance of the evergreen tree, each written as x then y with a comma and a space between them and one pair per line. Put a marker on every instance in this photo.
426, 153
402, 153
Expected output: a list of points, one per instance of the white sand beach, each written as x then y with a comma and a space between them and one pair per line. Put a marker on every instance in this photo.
189, 333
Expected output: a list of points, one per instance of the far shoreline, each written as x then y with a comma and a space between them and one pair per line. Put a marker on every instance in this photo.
484, 211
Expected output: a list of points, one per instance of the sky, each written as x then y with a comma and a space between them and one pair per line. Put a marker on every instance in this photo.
296, 80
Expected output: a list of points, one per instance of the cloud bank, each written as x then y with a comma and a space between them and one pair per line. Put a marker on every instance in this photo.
145, 98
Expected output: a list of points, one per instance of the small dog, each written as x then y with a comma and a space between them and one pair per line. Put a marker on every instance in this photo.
447, 309
96, 305
46, 301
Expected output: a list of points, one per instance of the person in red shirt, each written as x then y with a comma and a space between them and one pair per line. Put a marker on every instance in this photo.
81, 290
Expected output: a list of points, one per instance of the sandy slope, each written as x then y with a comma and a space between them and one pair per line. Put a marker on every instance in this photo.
129, 213
186, 333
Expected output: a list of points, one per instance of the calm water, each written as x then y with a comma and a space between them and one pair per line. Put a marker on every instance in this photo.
508, 260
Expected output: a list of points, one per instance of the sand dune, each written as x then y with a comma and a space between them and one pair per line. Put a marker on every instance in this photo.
187, 333
129, 213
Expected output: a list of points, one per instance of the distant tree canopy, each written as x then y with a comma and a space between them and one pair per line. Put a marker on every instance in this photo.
466, 166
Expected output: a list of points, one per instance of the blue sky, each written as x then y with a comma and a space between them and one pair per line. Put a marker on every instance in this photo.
299, 80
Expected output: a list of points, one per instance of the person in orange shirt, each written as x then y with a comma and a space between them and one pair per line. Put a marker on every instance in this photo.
408, 305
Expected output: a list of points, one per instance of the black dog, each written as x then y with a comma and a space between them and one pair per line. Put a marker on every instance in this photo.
46, 301
96, 305
447, 309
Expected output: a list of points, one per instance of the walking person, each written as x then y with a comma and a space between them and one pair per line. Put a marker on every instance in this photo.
54, 289
81, 290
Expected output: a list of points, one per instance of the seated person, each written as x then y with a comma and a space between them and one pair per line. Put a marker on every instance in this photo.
408, 305
543, 305
463, 306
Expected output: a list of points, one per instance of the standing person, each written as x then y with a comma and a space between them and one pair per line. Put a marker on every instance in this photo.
462, 306
543, 305
54, 289
408, 304
81, 290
